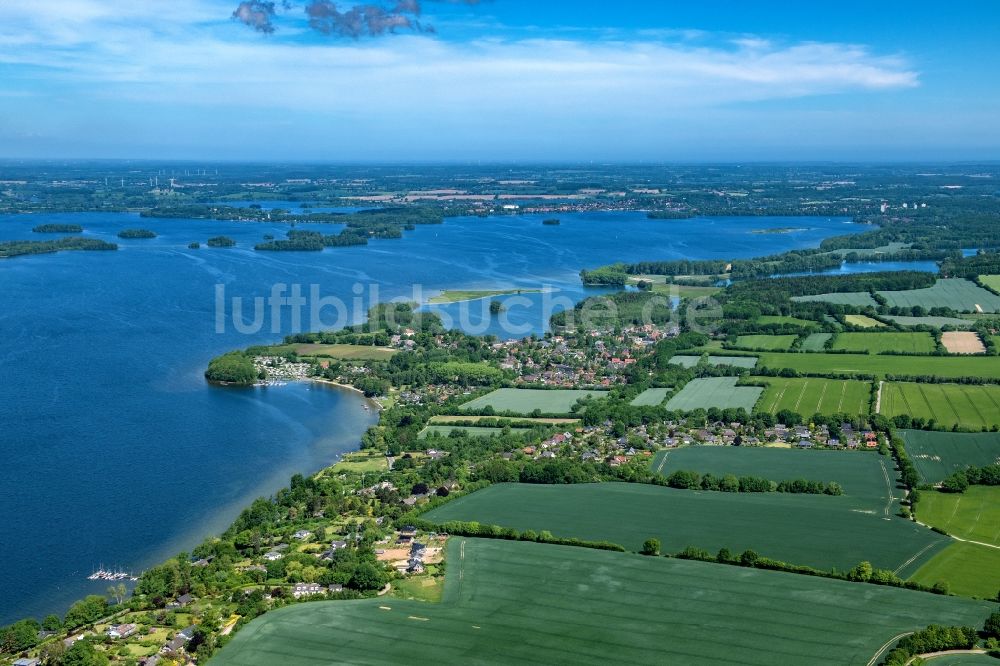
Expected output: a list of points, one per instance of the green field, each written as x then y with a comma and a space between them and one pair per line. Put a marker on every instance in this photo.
859, 299
868, 479
935, 322
970, 406
940, 366
787, 321
769, 342
735, 361
938, 454
955, 293
683, 290
347, 352
991, 282
525, 401
817, 530
889, 248
968, 568
862, 321
516, 602
973, 515
815, 342
472, 431
361, 462
513, 420
721, 392
876, 343
650, 397
456, 295
814, 396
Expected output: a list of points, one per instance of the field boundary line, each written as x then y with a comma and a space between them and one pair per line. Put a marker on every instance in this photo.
914, 558
663, 461
888, 486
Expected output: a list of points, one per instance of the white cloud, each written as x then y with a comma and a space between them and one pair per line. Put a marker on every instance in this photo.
118, 54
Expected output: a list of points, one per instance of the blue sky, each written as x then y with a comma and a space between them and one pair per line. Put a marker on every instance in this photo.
504, 80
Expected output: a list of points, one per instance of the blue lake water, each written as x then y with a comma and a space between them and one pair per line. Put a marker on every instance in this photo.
116, 451
872, 267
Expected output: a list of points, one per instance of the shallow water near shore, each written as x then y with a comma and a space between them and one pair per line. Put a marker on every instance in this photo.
117, 452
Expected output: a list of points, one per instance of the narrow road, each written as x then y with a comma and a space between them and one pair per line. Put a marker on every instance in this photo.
942, 653
956, 538
878, 398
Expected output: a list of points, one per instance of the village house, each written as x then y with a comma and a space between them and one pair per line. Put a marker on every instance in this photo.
306, 589
117, 631
180, 602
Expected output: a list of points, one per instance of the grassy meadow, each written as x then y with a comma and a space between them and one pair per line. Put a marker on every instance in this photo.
815, 342
859, 299
967, 569
446, 430
345, 352
735, 361
940, 366
721, 392
877, 343
651, 397
768, 342
970, 406
814, 396
862, 321
457, 295
973, 515
525, 401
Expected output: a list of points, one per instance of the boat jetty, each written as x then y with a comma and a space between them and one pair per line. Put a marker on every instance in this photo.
107, 574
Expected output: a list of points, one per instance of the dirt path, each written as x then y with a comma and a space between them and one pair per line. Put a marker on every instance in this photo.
952, 536
878, 398
942, 653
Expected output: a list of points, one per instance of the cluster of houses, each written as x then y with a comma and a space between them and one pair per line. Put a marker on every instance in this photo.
601, 444
279, 369
310, 589
414, 563
804, 437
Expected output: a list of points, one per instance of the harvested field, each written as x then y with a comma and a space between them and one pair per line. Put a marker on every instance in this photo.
962, 342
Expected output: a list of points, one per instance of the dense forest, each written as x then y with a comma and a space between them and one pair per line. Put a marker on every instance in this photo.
58, 229
136, 233
17, 248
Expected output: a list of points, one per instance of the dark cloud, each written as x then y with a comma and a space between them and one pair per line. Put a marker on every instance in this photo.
256, 14
355, 21
364, 20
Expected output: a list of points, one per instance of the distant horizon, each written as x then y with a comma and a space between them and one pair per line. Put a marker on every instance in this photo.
4, 161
